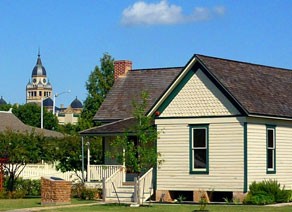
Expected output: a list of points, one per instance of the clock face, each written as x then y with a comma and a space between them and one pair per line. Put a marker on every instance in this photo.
44, 80
34, 80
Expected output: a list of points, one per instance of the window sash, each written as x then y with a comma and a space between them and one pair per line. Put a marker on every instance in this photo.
271, 149
199, 165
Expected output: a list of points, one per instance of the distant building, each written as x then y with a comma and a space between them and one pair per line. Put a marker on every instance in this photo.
71, 113
2, 101
38, 86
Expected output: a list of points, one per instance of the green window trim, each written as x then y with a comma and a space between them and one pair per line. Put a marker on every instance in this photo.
271, 149
193, 170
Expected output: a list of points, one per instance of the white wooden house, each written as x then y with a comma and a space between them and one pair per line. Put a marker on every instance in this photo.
223, 124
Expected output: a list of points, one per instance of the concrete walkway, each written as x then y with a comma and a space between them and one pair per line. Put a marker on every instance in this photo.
53, 207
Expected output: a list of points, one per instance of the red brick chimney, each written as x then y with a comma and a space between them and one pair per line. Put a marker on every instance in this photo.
121, 67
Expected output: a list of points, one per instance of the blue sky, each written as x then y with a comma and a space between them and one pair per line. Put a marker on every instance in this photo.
74, 34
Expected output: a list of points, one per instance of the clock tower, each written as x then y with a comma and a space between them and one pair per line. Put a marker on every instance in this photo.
38, 86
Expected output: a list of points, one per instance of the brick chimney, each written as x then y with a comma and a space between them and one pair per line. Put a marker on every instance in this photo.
121, 67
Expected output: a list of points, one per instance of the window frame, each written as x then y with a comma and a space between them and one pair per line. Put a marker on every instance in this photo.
273, 148
191, 149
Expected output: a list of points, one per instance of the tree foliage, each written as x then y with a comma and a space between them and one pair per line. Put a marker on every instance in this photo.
140, 150
30, 114
69, 154
98, 84
21, 149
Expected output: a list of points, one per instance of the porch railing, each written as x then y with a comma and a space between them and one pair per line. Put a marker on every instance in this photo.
114, 181
98, 172
144, 186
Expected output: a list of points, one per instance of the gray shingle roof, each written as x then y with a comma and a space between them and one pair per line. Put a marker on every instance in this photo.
256, 89
118, 103
260, 90
10, 122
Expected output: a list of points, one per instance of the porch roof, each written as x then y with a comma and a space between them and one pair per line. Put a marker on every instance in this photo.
111, 129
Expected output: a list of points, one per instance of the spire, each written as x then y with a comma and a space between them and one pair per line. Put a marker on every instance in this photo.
39, 52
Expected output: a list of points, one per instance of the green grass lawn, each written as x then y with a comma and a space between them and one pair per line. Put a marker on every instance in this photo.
9, 204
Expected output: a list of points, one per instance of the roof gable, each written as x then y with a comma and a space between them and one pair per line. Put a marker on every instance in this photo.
198, 97
252, 89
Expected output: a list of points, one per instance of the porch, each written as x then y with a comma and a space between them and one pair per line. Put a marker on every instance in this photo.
116, 183
115, 188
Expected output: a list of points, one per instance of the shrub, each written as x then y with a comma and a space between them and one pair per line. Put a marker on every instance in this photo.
23, 187
83, 193
267, 192
30, 187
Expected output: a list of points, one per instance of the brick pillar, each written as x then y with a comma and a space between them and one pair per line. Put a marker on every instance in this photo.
163, 196
239, 196
55, 191
121, 67
199, 194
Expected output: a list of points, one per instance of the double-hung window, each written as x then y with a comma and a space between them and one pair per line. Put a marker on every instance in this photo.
199, 149
271, 149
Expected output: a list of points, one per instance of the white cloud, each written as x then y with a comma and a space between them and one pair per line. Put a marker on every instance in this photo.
142, 13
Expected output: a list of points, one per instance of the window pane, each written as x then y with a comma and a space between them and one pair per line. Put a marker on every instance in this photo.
270, 159
270, 138
200, 159
199, 137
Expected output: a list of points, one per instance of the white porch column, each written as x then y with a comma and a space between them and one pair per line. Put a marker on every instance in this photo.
124, 165
82, 153
88, 161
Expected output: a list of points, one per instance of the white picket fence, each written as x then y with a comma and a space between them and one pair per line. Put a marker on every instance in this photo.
36, 171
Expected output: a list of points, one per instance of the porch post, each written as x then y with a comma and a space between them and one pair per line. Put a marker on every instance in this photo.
124, 165
88, 161
82, 153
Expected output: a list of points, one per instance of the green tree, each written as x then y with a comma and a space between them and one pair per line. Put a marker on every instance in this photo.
98, 84
21, 149
30, 114
140, 150
69, 154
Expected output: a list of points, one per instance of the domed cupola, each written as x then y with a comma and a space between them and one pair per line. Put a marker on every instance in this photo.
39, 69
2, 101
76, 104
48, 102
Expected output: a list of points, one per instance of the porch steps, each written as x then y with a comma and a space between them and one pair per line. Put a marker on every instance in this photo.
124, 193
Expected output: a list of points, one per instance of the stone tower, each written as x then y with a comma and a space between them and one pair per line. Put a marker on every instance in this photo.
38, 86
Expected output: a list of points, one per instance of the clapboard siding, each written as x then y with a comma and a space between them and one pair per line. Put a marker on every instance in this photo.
225, 156
257, 153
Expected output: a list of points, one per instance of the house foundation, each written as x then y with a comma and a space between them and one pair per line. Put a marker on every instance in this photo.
163, 196
199, 195
239, 196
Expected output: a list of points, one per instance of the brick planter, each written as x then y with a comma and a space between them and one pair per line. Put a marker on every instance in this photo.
55, 191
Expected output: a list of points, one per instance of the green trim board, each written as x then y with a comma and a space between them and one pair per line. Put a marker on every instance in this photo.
245, 161
191, 158
271, 128
190, 117
177, 89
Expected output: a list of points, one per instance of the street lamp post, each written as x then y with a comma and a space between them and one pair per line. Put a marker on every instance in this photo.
54, 100
54, 103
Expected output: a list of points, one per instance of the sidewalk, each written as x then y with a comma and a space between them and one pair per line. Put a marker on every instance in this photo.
53, 207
